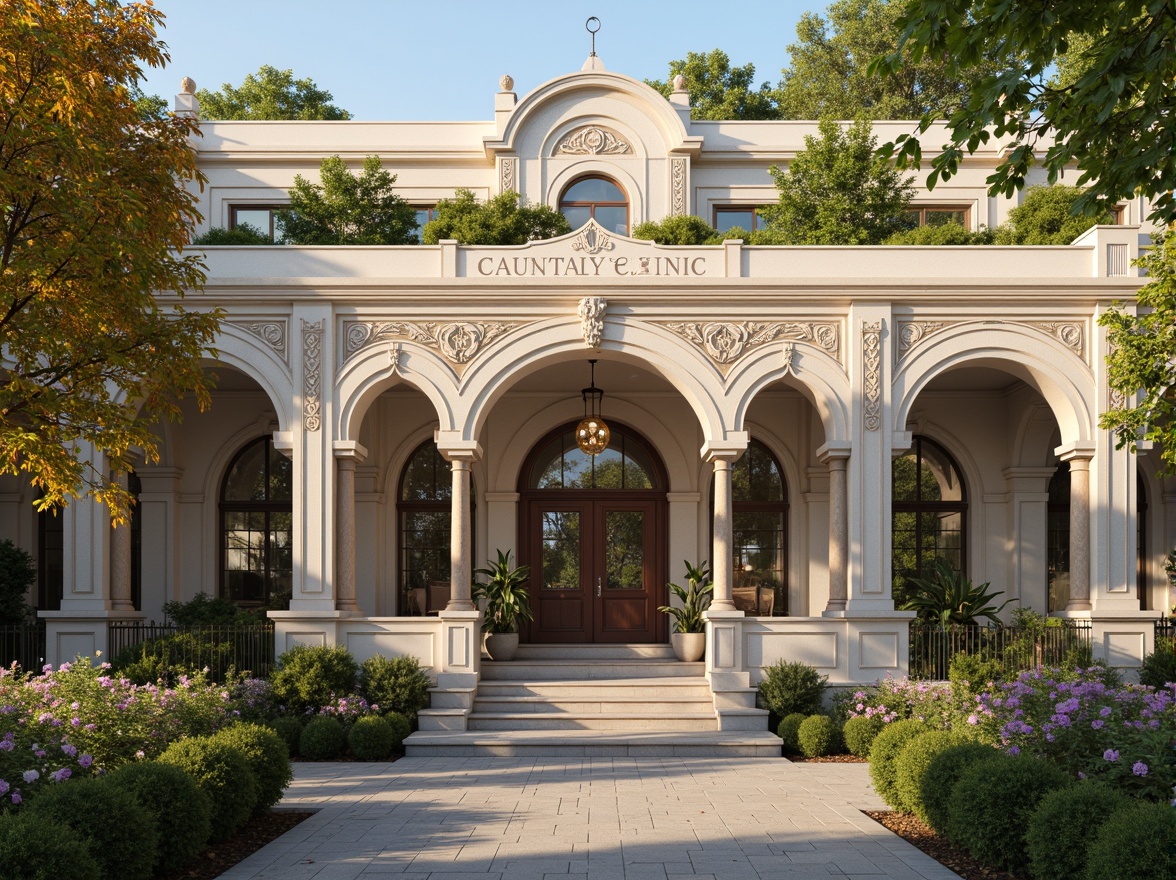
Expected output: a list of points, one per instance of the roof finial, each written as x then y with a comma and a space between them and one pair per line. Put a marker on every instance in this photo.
592, 25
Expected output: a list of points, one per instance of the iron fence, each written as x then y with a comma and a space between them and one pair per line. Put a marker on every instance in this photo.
23, 644
218, 649
1014, 648
1166, 629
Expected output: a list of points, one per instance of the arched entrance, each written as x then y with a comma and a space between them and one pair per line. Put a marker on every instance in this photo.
593, 531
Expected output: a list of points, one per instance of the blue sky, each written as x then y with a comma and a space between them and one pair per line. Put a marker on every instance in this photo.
441, 60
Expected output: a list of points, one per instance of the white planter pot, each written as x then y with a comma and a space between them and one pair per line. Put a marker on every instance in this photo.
502, 646
688, 647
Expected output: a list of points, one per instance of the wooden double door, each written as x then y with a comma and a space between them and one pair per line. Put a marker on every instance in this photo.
597, 565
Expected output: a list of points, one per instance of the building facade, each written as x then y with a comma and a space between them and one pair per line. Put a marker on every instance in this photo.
817, 423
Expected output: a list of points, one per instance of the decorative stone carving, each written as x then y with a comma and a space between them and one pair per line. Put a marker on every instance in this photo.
726, 341
679, 83
312, 364
457, 341
1066, 332
789, 352
273, 333
394, 351
591, 312
592, 140
506, 84
188, 85
678, 186
509, 181
912, 333
872, 373
592, 239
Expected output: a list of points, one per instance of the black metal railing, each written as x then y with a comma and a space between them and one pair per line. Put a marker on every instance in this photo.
23, 644
1014, 648
148, 648
1166, 629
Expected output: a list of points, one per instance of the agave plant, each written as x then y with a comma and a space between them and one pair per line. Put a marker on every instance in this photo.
695, 598
505, 593
952, 599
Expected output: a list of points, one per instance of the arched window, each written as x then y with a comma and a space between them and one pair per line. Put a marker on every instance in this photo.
561, 464
256, 525
1057, 541
930, 515
759, 527
426, 516
599, 198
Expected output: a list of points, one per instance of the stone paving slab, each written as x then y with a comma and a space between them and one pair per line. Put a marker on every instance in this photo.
623, 818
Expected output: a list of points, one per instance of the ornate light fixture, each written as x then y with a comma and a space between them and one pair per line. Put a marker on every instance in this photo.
592, 433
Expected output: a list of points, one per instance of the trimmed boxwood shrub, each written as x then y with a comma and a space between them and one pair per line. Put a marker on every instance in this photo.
1159, 667
788, 729
888, 745
401, 728
395, 684
308, 677
34, 847
818, 735
1064, 823
911, 765
268, 757
183, 813
1133, 844
859, 733
323, 739
992, 803
789, 687
371, 738
289, 729
121, 835
943, 772
223, 774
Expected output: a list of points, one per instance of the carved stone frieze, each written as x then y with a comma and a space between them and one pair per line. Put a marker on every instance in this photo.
509, 181
678, 186
591, 312
458, 341
593, 140
872, 373
1069, 333
273, 333
312, 369
911, 333
592, 239
726, 341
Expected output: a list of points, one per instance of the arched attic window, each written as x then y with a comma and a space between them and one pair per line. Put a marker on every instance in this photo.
598, 198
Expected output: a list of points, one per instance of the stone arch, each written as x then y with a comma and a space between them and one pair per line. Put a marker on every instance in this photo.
240, 349
815, 374
372, 370
1036, 437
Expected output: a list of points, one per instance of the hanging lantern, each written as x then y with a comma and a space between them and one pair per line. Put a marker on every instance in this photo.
592, 433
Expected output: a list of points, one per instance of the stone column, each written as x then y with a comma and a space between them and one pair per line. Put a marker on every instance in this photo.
120, 560
347, 456
459, 540
1079, 529
838, 534
721, 554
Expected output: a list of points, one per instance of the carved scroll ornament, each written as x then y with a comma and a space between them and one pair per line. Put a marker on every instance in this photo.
458, 341
726, 341
591, 312
592, 140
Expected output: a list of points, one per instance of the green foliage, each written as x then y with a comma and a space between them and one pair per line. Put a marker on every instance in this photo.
395, 684
970, 675
1110, 114
268, 757
505, 593
695, 599
681, 229
1066, 820
791, 686
346, 208
371, 738
1159, 667
941, 234
205, 610
308, 677
401, 728
819, 735
859, 734
888, 745
948, 598
911, 766
96, 205
241, 234
166, 658
503, 220
270, 94
718, 90
836, 191
1134, 843
36, 847
942, 773
1140, 364
122, 836
1047, 215
289, 729
182, 813
323, 739
18, 573
223, 774
153, 108
991, 804
789, 730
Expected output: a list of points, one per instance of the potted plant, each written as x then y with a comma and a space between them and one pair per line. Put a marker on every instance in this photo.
507, 603
689, 633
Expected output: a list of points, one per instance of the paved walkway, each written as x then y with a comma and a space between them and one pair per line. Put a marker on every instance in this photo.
587, 819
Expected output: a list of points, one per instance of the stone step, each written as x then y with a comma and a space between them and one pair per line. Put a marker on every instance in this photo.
580, 653
594, 705
549, 669
673, 720
593, 743
680, 687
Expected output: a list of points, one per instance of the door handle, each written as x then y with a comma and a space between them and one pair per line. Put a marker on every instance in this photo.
598, 588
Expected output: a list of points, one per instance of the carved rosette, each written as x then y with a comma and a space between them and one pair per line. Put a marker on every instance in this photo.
458, 341
872, 373
592, 239
509, 175
678, 186
273, 333
726, 341
591, 312
911, 333
593, 140
1069, 333
312, 368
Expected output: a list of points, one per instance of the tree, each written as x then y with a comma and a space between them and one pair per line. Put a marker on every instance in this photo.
348, 209
241, 234
718, 90
1111, 112
503, 220
836, 191
1046, 216
1142, 365
95, 214
682, 229
270, 94
941, 234
829, 69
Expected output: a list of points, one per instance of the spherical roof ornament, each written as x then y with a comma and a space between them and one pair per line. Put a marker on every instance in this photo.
506, 84
679, 83
188, 86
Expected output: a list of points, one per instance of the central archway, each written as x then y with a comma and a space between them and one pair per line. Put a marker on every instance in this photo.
593, 531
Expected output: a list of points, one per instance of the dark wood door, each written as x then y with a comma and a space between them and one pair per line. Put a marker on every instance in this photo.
597, 573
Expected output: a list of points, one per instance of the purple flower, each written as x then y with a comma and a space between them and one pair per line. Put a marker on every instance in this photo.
69, 749
16, 798
3, 788
1112, 755
1096, 724
31, 776
61, 775
1139, 768
1013, 750
85, 761
1105, 711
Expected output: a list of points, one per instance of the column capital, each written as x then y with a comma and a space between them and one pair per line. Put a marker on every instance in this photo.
1077, 451
284, 443
454, 447
350, 450
729, 448
833, 450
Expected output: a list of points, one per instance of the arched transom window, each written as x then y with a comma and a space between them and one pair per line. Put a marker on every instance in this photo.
256, 526
598, 198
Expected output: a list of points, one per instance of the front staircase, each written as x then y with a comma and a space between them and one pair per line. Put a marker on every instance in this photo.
593, 700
